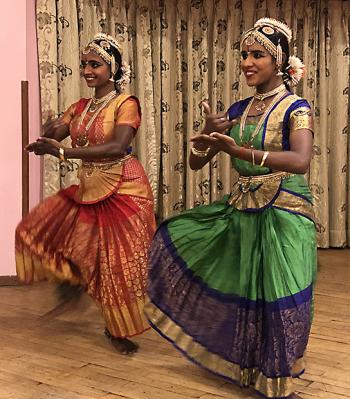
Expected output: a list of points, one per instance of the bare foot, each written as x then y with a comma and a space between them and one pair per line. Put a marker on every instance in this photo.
295, 396
122, 345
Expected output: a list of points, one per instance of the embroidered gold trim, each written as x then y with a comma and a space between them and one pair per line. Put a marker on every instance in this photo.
274, 124
295, 204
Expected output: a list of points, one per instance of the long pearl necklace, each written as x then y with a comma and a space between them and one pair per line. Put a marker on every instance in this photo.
249, 143
83, 138
260, 106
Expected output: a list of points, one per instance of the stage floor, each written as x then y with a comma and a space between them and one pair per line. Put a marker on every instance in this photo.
69, 358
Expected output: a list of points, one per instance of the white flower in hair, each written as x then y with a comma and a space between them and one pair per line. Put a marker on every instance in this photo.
295, 69
126, 76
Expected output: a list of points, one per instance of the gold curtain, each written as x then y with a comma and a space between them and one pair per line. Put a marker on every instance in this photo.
186, 51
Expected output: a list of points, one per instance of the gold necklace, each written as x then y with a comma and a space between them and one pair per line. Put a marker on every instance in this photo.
261, 96
98, 101
83, 138
249, 143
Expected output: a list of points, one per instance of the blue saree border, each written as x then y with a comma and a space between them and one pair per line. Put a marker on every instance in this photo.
236, 109
196, 362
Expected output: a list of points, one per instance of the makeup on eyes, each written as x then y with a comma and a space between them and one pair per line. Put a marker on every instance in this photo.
92, 63
255, 53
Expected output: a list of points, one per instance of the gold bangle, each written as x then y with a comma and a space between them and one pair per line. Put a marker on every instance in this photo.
200, 153
61, 154
263, 159
253, 157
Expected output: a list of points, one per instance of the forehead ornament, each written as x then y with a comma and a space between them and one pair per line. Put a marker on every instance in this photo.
250, 40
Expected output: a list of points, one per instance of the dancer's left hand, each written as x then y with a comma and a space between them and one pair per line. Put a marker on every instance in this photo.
44, 146
221, 142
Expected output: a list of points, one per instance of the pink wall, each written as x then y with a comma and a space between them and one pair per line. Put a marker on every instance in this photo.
34, 104
17, 45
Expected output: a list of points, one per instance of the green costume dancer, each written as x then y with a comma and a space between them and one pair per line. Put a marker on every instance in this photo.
231, 284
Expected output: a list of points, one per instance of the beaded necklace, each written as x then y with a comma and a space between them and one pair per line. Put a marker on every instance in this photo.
98, 101
249, 143
83, 137
260, 106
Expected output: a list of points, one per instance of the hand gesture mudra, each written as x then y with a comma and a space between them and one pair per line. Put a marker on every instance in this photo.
215, 122
213, 135
46, 145
51, 125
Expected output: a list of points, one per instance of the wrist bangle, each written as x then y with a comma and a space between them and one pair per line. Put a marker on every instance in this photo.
61, 154
253, 157
200, 153
240, 152
263, 159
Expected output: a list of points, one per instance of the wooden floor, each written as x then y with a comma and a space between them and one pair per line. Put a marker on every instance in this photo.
69, 358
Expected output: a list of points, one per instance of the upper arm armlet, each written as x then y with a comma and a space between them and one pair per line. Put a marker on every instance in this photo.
301, 118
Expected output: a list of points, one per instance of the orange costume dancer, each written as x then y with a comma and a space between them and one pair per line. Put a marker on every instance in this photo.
96, 234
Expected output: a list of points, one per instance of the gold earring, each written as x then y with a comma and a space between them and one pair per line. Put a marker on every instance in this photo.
279, 59
279, 72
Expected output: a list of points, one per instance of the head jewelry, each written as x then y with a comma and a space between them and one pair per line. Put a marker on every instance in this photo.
106, 47
263, 29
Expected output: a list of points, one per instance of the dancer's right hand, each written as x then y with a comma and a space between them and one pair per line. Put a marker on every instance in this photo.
51, 125
215, 122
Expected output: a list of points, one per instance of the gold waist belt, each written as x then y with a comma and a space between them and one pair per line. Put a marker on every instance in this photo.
247, 181
105, 165
256, 192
